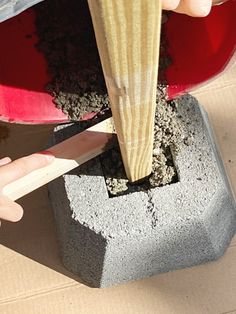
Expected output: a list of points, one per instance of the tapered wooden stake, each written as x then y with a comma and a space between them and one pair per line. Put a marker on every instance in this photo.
128, 38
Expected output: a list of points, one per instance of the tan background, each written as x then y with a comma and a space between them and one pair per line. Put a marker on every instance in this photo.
33, 279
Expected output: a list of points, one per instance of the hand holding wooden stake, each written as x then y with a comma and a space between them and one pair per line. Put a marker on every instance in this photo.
128, 38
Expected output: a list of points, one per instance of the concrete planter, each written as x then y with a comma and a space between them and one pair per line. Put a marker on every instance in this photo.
107, 241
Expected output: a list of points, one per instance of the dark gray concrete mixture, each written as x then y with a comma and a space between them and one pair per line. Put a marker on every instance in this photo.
66, 38
110, 240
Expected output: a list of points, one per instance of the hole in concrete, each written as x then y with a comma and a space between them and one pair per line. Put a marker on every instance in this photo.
117, 183
169, 136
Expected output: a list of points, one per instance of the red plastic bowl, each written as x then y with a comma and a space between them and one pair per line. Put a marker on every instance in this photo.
200, 49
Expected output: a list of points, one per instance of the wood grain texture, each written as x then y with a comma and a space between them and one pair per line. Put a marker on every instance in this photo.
128, 38
69, 154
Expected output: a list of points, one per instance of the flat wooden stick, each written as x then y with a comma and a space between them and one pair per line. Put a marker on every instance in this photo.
69, 154
128, 38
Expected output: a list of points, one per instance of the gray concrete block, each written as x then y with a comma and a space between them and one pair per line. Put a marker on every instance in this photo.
107, 241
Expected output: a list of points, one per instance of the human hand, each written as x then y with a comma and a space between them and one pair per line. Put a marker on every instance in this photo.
198, 8
13, 170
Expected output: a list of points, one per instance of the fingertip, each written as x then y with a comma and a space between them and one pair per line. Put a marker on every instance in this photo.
14, 212
10, 210
47, 155
204, 11
200, 8
170, 4
17, 215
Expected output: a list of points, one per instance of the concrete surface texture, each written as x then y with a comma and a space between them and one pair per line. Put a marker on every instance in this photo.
107, 241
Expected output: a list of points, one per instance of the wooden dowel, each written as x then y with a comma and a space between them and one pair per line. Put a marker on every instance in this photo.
69, 154
128, 38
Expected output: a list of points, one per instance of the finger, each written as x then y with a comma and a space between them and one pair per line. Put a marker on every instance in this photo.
10, 210
5, 161
23, 166
170, 4
199, 8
